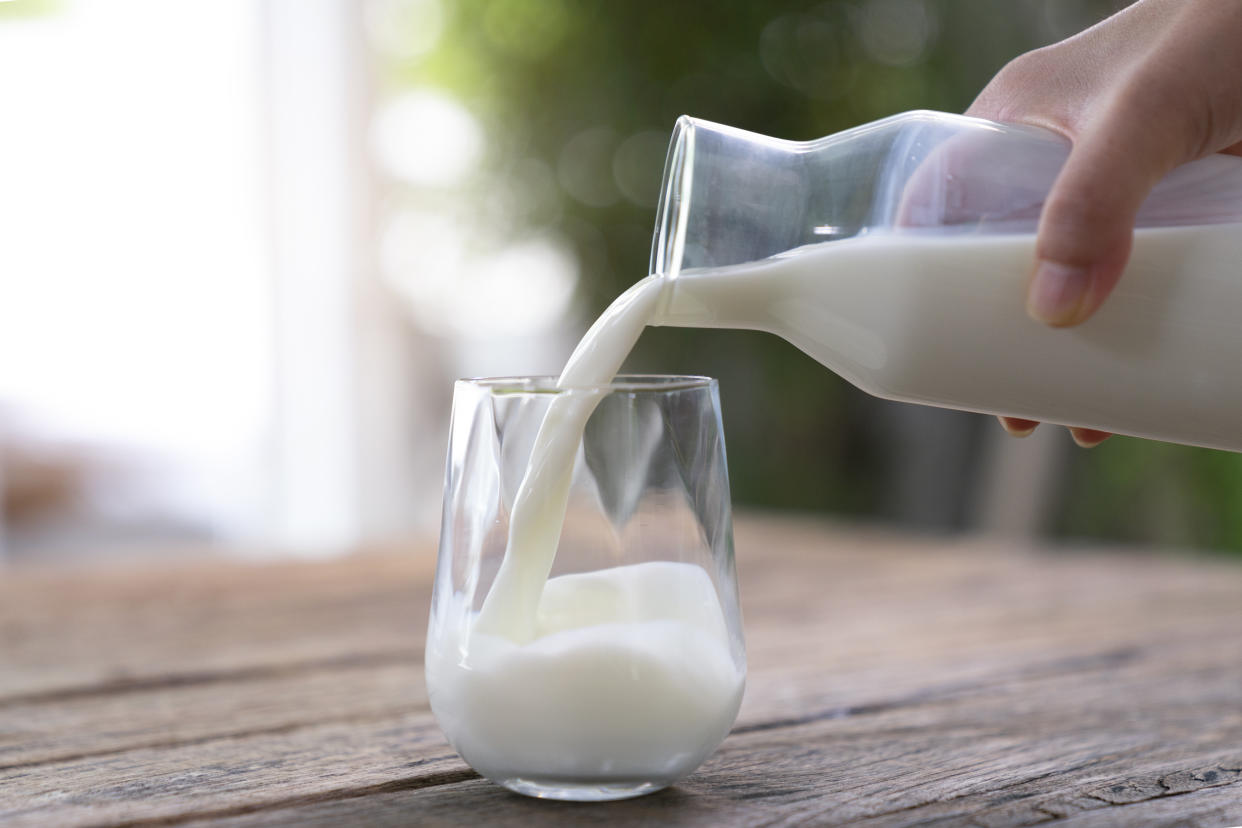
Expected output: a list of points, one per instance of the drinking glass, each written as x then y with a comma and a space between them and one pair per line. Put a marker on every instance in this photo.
625, 670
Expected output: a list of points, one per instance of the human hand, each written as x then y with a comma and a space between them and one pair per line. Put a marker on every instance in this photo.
1154, 86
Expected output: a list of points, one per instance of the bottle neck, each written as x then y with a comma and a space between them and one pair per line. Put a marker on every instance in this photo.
709, 299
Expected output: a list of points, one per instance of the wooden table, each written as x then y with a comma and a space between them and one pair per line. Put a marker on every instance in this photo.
893, 681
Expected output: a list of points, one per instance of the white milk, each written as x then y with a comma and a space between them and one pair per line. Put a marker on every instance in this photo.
539, 508
629, 676
940, 320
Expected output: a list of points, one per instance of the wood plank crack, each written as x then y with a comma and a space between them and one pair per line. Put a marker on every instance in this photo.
164, 744
1099, 661
133, 684
409, 783
1132, 791
1057, 809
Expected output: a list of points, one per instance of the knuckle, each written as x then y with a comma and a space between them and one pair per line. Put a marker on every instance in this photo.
1160, 118
1027, 89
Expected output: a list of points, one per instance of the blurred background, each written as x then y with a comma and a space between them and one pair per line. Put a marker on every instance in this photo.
247, 245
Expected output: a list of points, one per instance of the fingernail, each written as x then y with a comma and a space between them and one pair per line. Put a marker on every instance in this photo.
1018, 428
1088, 437
1056, 292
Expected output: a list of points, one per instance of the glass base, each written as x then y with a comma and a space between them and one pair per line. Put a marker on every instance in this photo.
581, 790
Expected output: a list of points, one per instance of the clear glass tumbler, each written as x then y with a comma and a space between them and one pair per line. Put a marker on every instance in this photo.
630, 671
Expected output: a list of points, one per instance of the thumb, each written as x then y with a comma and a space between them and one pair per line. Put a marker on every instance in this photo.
1087, 224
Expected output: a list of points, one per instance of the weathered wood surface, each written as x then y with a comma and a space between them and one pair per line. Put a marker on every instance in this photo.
893, 682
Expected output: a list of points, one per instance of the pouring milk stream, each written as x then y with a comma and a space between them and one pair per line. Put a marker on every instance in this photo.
896, 255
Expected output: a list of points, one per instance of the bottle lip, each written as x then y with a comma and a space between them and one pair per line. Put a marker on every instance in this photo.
675, 189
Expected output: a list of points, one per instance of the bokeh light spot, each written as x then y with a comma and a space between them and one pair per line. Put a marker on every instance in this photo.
809, 53
527, 286
536, 197
404, 29
638, 166
453, 289
896, 32
426, 138
584, 167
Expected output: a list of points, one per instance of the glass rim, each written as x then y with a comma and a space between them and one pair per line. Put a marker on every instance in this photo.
628, 383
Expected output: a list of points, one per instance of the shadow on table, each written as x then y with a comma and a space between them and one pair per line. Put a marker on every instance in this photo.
476, 801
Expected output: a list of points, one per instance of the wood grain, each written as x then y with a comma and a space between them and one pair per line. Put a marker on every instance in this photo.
122, 628
893, 681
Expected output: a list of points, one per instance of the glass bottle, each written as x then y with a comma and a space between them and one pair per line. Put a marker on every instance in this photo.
897, 255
